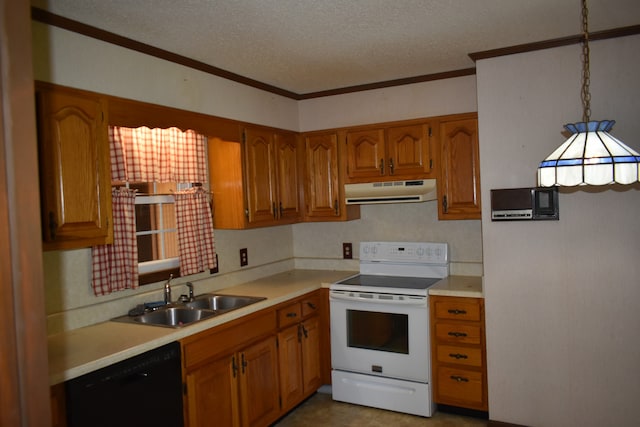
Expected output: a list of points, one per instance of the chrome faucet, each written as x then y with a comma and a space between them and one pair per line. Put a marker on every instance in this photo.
167, 290
190, 286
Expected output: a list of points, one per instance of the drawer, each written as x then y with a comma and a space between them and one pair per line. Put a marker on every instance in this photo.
460, 387
289, 315
468, 356
310, 305
458, 333
459, 309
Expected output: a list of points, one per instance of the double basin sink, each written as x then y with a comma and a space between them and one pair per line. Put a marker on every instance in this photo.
177, 315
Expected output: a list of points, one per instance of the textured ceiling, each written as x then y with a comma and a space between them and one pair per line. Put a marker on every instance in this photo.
306, 46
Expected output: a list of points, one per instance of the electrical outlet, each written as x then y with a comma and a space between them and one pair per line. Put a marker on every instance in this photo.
244, 257
347, 251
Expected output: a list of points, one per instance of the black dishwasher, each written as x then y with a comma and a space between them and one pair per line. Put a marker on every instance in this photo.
145, 390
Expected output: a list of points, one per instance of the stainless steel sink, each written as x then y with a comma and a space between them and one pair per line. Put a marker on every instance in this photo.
222, 303
174, 317
202, 307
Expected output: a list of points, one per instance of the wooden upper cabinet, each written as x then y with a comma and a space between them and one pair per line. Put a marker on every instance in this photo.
260, 171
288, 176
256, 183
324, 200
226, 183
322, 195
393, 152
272, 176
459, 183
409, 151
75, 176
366, 154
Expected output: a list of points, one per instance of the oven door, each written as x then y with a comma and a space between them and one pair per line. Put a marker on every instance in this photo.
380, 334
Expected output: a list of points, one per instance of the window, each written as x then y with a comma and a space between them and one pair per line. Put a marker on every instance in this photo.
156, 230
158, 208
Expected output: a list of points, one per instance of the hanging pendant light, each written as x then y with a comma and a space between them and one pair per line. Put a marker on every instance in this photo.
590, 156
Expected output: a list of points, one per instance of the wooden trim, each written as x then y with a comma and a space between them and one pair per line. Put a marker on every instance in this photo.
24, 385
46, 17
158, 276
390, 83
49, 18
548, 44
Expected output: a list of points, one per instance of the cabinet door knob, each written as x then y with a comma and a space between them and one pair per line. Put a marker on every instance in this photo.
391, 167
381, 166
234, 366
291, 314
459, 379
458, 356
457, 334
457, 311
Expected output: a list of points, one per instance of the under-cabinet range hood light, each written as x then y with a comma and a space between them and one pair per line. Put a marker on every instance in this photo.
420, 190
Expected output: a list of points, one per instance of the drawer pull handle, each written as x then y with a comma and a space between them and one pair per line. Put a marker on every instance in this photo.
459, 379
456, 311
458, 356
292, 315
311, 305
457, 334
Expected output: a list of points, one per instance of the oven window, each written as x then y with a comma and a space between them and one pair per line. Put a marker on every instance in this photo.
378, 331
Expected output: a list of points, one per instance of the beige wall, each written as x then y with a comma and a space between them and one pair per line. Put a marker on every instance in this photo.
69, 59
561, 297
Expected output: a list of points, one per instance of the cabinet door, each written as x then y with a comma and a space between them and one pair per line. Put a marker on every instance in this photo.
286, 150
260, 170
260, 403
212, 394
227, 184
75, 169
409, 151
366, 154
290, 363
460, 170
310, 342
322, 197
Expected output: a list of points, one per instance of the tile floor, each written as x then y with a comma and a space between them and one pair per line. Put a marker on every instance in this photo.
321, 410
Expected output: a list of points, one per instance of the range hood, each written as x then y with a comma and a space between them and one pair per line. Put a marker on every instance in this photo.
420, 190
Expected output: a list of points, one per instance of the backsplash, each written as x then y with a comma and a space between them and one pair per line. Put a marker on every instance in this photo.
71, 304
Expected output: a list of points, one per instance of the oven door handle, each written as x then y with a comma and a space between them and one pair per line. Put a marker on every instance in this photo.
410, 301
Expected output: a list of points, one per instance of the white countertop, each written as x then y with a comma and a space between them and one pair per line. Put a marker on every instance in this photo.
458, 286
80, 351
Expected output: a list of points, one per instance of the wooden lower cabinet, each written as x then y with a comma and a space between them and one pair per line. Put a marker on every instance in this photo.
299, 350
253, 370
231, 374
212, 392
458, 352
239, 389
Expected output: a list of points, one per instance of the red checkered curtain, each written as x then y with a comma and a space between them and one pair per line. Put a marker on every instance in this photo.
195, 231
157, 155
115, 266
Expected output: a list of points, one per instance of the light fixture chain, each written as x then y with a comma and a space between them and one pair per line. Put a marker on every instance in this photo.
586, 76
